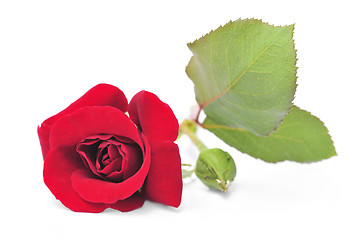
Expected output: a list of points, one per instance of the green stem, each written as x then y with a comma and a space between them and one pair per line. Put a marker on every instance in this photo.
185, 128
187, 173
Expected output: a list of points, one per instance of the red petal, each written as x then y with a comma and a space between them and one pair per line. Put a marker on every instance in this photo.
58, 168
129, 165
44, 133
159, 125
112, 167
100, 95
88, 121
154, 117
164, 181
93, 189
129, 204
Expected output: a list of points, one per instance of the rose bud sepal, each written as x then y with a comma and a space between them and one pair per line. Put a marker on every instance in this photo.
215, 168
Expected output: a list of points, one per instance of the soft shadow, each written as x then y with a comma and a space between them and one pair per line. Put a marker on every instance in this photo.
148, 208
232, 189
57, 204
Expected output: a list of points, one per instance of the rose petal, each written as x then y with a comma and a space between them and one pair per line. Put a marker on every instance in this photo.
164, 180
100, 95
154, 117
88, 155
93, 189
89, 141
130, 164
113, 152
115, 165
131, 203
88, 121
44, 133
59, 165
160, 126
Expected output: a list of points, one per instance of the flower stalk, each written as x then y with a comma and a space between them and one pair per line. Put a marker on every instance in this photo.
189, 128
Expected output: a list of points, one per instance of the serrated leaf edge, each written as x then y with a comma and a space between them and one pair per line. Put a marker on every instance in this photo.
203, 105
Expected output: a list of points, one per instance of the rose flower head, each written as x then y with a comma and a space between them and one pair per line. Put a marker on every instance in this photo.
96, 156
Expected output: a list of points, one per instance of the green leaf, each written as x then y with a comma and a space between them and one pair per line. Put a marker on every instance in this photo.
301, 137
244, 74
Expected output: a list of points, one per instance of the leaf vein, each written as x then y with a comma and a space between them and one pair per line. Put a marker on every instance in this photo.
204, 104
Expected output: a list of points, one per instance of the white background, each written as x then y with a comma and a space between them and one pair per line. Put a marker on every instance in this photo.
51, 52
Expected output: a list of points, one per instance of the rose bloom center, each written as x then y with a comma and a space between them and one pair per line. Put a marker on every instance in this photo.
112, 158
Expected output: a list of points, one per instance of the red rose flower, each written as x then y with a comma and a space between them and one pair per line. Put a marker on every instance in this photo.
96, 157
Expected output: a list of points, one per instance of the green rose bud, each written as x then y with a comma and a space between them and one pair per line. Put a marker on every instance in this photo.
215, 168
